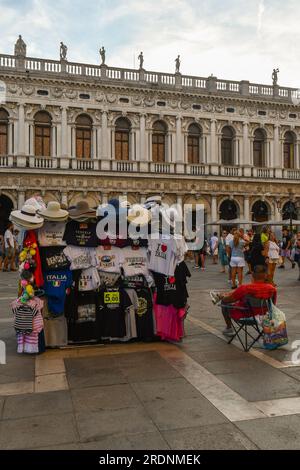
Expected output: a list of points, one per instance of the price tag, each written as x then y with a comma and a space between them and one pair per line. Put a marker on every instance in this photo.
111, 297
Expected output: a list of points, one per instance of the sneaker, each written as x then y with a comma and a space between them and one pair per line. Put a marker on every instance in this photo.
215, 298
196, 267
228, 332
202, 269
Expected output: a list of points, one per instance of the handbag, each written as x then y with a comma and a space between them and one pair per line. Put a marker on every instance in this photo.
274, 328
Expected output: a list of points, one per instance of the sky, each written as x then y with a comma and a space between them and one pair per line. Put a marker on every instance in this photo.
231, 39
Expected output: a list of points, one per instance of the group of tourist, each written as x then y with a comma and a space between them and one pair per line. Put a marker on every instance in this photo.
9, 249
239, 248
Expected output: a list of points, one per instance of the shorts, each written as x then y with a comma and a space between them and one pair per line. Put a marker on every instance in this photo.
237, 262
285, 253
9, 252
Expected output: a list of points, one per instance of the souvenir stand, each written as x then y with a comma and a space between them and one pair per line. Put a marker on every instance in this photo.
95, 286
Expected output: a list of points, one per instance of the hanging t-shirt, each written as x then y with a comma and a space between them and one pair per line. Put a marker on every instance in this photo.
171, 290
108, 279
89, 280
51, 234
109, 260
134, 282
55, 285
81, 313
53, 258
80, 258
81, 234
135, 261
113, 303
114, 241
144, 315
142, 242
163, 256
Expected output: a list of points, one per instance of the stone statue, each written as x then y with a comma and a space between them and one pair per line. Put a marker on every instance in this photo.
177, 64
102, 52
141, 59
20, 47
275, 76
63, 51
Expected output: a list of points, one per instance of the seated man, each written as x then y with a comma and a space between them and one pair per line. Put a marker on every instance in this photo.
259, 289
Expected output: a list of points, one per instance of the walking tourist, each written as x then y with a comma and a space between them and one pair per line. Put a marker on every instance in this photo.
286, 245
9, 245
237, 258
1, 251
295, 255
257, 253
272, 251
214, 241
223, 258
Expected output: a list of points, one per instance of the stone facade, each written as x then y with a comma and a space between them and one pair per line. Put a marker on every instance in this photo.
67, 90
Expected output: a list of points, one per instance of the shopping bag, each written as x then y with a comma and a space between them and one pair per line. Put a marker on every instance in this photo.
274, 328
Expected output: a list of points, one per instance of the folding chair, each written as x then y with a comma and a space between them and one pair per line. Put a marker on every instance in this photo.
247, 329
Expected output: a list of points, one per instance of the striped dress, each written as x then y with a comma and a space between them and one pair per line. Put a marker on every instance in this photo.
28, 324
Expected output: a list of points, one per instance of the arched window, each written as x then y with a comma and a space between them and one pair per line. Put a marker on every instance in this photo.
3, 132
42, 134
227, 155
194, 139
228, 210
84, 136
289, 150
260, 211
259, 148
122, 138
159, 142
289, 211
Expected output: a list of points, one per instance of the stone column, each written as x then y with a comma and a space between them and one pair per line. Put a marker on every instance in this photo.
53, 141
15, 137
214, 157
143, 143
21, 129
214, 213
64, 134
179, 147
246, 156
247, 210
94, 155
104, 137
72, 140
31, 138
277, 152
10, 137
21, 199
58, 137
132, 143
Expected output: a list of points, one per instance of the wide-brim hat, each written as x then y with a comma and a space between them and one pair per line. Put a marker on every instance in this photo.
138, 215
27, 215
54, 212
21, 225
82, 210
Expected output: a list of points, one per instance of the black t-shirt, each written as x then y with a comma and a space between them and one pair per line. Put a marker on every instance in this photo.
171, 290
112, 306
134, 282
285, 241
53, 258
81, 234
144, 315
82, 315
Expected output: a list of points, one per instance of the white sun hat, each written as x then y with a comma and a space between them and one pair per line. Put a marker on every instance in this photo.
53, 212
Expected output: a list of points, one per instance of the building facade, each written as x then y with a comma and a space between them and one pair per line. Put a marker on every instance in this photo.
70, 131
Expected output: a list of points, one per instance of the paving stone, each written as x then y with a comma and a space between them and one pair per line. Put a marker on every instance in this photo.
157, 390
230, 353
104, 398
28, 433
280, 433
148, 441
1, 407
87, 372
292, 372
97, 424
209, 437
148, 372
70, 446
184, 413
37, 404
233, 365
262, 384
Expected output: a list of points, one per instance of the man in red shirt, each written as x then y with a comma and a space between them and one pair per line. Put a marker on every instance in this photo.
259, 288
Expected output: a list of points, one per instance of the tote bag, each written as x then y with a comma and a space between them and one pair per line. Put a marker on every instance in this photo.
274, 328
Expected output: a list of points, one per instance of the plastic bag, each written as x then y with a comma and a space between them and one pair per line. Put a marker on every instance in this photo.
274, 328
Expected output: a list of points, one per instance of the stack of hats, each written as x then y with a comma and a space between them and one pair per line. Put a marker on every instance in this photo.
54, 213
82, 212
27, 218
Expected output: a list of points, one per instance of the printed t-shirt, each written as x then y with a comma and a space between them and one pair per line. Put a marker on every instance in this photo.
171, 290
144, 315
135, 261
109, 260
55, 285
285, 241
51, 234
89, 279
163, 256
113, 303
80, 258
81, 234
53, 258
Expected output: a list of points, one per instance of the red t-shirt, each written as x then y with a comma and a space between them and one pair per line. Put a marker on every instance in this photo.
259, 290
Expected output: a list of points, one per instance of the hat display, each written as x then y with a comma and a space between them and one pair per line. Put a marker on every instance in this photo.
138, 215
54, 213
82, 212
27, 217
156, 199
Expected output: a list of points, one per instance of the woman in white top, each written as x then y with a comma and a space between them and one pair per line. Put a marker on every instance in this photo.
272, 250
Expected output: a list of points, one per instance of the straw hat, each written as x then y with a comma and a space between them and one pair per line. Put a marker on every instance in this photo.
27, 217
82, 212
138, 215
54, 212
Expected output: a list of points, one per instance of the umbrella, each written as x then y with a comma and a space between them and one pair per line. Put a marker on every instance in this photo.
279, 222
233, 222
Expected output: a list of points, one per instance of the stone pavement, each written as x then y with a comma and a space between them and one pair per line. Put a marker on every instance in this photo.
201, 394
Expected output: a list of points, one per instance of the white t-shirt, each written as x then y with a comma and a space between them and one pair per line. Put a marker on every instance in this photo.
163, 256
135, 261
109, 260
51, 234
228, 239
214, 242
9, 239
80, 257
89, 280
181, 247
